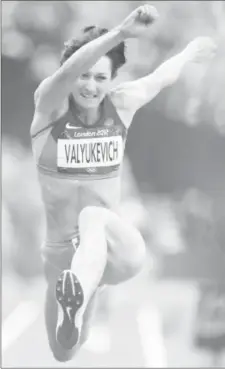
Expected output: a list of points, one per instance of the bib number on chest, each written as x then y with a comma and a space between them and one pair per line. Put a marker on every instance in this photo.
89, 152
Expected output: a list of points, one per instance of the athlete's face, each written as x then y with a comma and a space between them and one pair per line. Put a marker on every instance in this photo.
92, 86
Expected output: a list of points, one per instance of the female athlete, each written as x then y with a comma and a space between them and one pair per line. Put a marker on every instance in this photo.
78, 135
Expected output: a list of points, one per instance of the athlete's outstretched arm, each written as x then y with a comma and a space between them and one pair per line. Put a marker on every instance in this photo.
56, 88
131, 96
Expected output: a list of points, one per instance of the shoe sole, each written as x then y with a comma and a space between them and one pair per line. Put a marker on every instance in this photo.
70, 297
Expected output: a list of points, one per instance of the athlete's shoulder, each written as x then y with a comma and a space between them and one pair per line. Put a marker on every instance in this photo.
39, 95
41, 121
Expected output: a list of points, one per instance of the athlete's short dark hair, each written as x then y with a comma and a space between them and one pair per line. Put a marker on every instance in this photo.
116, 55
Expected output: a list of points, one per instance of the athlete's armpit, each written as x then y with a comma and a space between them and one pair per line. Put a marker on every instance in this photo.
131, 96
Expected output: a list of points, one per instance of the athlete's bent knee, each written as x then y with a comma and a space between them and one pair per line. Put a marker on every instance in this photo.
93, 214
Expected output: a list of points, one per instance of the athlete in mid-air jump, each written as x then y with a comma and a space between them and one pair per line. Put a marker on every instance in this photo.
78, 135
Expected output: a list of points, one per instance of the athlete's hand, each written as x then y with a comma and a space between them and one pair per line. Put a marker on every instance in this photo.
201, 49
139, 21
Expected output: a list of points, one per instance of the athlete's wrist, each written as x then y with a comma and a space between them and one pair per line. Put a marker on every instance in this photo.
120, 33
187, 55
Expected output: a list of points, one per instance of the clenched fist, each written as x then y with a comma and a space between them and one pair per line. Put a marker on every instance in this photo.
139, 21
201, 49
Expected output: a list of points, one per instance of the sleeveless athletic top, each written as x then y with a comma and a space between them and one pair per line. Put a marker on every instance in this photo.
72, 149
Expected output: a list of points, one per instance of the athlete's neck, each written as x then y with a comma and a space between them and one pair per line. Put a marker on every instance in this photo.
88, 117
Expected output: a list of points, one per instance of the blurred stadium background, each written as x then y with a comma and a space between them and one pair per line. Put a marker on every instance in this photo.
172, 314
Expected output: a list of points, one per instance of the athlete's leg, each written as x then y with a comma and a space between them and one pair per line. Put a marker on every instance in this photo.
125, 245
76, 286
57, 258
94, 263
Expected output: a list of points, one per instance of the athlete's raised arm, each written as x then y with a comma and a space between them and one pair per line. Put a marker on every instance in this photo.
130, 96
53, 90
